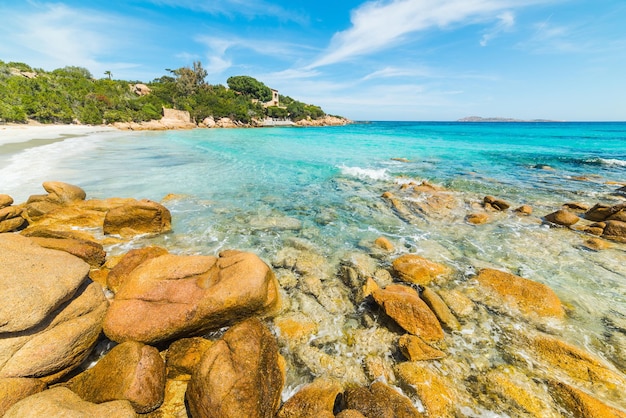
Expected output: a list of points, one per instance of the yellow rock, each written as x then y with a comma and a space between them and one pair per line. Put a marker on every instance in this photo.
434, 391
412, 268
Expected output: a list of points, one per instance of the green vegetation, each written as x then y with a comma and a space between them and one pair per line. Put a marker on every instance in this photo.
71, 94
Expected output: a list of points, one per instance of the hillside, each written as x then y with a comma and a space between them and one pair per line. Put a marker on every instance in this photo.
73, 95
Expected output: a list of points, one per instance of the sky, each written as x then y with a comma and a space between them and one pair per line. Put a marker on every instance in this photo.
419, 60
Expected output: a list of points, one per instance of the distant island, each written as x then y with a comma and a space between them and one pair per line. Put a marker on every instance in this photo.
481, 119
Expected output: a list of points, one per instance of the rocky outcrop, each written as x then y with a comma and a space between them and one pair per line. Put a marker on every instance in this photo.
129, 262
327, 120
241, 375
130, 371
174, 296
140, 89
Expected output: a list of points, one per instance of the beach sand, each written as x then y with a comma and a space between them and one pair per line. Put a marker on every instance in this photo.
39, 134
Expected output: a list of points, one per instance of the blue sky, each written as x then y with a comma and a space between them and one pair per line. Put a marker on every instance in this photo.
367, 60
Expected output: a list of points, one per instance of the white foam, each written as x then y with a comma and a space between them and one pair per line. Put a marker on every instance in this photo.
365, 173
612, 162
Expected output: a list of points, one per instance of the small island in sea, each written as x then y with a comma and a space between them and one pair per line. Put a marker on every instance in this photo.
498, 119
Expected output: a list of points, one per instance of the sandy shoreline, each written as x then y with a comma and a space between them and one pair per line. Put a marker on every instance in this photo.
14, 133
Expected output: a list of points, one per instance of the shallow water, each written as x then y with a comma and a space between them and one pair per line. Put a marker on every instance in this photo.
318, 191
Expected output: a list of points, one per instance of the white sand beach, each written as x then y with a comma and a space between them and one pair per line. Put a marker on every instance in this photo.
15, 133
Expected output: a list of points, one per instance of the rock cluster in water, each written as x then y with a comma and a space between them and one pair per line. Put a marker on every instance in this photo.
228, 336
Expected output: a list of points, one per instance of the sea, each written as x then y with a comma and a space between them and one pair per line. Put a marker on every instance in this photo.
319, 189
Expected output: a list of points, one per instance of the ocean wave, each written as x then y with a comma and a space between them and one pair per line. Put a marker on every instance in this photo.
614, 162
365, 173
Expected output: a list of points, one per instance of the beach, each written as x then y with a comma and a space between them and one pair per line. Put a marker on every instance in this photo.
362, 222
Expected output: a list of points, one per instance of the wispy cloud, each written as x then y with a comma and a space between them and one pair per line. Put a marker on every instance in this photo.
54, 35
506, 22
379, 25
395, 72
247, 8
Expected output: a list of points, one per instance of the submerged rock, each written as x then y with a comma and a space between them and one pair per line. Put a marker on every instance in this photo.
415, 349
316, 399
529, 298
412, 268
379, 400
404, 306
434, 391
581, 404
493, 203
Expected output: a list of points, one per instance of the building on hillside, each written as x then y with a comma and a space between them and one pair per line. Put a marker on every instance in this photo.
275, 100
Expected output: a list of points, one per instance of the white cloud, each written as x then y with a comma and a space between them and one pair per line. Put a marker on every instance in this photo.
54, 35
392, 72
247, 8
379, 25
506, 22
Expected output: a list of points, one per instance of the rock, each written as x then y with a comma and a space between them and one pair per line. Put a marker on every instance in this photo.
615, 231
349, 413
60, 343
15, 389
440, 309
596, 244
517, 394
412, 268
576, 362
524, 210
494, 203
379, 400
11, 212
316, 399
63, 193
477, 218
242, 375
377, 367
184, 355
618, 216
62, 402
12, 224
384, 243
600, 212
621, 191
576, 206
131, 371
529, 298
296, 327
404, 306
460, 304
88, 251
595, 228
415, 349
173, 405
139, 217
562, 217
130, 261
209, 122
435, 391
172, 296
35, 281
5, 200
581, 405
140, 89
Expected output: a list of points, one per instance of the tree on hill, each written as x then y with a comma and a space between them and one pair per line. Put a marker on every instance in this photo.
250, 87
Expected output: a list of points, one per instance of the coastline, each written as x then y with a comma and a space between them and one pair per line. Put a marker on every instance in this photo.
45, 134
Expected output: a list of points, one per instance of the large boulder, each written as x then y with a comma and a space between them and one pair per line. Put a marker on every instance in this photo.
522, 296
173, 296
59, 195
412, 268
13, 390
62, 402
404, 306
138, 217
131, 371
379, 400
130, 261
242, 375
35, 281
60, 343
88, 251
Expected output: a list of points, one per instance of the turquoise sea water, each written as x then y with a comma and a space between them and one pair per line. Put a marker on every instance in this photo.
261, 190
